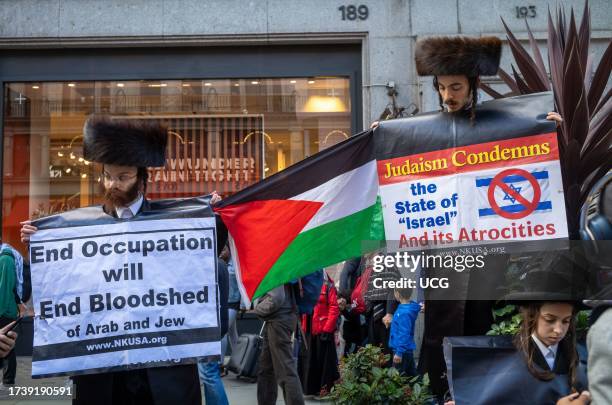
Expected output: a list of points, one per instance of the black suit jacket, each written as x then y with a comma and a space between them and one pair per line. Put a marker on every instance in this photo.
561, 365
451, 312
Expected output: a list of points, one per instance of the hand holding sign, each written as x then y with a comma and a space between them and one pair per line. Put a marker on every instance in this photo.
7, 339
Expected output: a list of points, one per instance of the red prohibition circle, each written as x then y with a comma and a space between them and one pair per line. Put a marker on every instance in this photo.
530, 206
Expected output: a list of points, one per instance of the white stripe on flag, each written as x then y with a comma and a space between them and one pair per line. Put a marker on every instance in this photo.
343, 195
520, 185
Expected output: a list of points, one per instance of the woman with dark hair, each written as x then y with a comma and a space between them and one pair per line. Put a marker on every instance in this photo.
548, 365
547, 341
549, 294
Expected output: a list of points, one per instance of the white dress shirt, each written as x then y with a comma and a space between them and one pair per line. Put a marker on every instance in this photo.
549, 352
131, 210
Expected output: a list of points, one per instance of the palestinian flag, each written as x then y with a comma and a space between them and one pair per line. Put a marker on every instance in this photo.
318, 212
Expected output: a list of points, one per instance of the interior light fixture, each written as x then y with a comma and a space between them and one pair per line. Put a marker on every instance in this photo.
324, 104
120, 84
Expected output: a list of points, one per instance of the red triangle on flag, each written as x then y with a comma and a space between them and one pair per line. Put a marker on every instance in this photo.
262, 230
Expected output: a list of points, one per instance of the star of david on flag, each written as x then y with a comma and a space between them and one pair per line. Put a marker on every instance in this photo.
513, 194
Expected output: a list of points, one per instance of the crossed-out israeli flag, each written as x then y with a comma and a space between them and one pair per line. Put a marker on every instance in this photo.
508, 200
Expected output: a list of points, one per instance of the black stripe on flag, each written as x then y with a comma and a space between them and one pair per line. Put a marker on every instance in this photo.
310, 172
496, 120
88, 347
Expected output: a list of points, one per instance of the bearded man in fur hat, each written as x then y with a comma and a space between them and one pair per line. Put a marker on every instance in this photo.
125, 148
456, 64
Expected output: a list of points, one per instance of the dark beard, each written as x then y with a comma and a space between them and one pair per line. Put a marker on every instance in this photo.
114, 197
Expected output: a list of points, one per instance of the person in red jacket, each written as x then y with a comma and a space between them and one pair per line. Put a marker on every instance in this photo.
323, 359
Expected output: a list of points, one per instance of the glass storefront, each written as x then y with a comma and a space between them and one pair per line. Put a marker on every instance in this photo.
224, 135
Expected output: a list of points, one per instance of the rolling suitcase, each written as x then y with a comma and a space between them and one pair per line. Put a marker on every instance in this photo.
243, 361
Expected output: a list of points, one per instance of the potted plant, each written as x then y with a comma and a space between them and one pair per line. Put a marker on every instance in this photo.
365, 380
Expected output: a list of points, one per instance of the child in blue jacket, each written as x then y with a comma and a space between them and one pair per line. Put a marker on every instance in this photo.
401, 340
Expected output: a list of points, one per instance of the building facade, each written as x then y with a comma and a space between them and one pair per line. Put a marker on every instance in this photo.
246, 87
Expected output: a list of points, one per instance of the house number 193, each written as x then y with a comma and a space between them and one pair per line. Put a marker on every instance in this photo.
525, 12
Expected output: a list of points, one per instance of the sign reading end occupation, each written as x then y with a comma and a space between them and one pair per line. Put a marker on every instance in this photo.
503, 191
127, 295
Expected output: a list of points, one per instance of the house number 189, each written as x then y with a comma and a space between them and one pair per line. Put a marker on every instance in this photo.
352, 12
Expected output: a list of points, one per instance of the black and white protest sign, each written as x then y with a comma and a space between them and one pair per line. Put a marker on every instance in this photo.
124, 295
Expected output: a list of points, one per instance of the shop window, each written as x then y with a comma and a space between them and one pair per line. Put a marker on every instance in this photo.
225, 134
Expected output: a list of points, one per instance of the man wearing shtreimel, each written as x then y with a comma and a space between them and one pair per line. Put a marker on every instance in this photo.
456, 64
125, 148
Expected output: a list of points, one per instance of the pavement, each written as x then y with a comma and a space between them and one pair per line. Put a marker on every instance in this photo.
239, 392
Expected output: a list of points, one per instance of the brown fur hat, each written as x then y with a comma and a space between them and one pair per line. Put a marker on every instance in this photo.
458, 55
125, 142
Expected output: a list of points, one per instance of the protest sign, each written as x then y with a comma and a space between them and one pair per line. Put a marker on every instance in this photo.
473, 184
504, 191
124, 295
488, 370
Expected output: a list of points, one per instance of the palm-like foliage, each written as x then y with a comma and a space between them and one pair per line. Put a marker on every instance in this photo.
585, 141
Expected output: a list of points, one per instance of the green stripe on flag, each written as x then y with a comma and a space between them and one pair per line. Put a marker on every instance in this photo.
327, 244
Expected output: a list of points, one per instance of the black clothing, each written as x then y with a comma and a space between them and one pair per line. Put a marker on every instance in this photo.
354, 331
131, 388
459, 316
223, 280
489, 370
406, 367
351, 271
163, 385
323, 361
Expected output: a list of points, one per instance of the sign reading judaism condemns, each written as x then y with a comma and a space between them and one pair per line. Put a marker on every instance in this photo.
124, 295
494, 180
